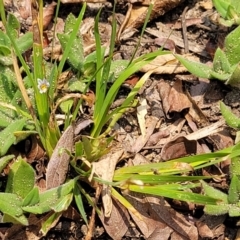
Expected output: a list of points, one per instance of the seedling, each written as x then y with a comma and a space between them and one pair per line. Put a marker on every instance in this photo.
229, 11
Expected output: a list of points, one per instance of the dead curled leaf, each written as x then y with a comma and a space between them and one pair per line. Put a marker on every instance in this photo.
105, 168
58, 164
178, 147
138, 13
159, 220
164, 64
118, 222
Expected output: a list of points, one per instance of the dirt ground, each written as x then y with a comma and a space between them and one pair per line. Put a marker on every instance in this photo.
184, 108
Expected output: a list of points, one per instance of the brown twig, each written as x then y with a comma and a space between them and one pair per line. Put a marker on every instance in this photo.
91, 225
184, 30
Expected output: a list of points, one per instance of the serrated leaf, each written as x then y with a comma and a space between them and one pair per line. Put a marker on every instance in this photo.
49, 198
231, 119
21, 178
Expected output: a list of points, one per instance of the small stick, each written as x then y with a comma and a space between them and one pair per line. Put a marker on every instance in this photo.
91, 225
184, 30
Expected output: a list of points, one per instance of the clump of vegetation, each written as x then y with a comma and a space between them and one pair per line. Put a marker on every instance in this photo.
36, 115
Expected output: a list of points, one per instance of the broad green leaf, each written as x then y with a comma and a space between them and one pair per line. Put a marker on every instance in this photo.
235, 166
220, 62
72, 37
222, 6
7, 137
75, 57
51, 197
25, 42
32, 198
232, 46
234, 78
216, 210
234, 190
16, 220
236, 5
231, 119
13, 25
117, 67
66, 105
220, 76
5, 41
10, 204
214, 193
6, 61
4, 161
70, 23
234, 210
4, 51
22, 135
75, 85
21, 178
196, 68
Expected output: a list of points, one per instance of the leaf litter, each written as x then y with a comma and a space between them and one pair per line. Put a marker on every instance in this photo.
187, 119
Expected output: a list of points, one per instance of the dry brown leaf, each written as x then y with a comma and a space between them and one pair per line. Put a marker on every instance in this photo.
193, 47
206, 131
178, 147
138, 13
142, 140
155, 138
105, 168
173, 219
178, 100
58, 164
48, 13
82, 1
165, 64
118, 222
141, 114
36, 152
164, 90
148, 224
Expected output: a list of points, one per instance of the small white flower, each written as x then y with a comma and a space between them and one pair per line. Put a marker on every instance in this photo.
43, 85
